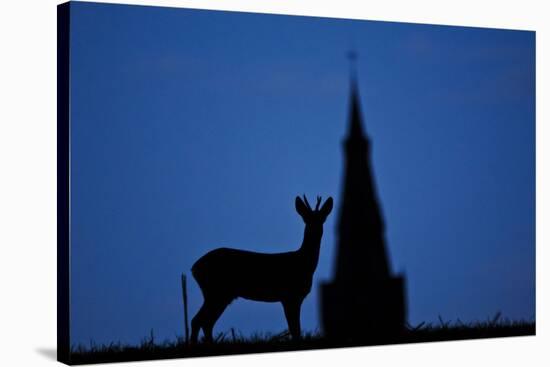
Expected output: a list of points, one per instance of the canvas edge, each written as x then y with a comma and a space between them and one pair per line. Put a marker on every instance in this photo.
63, 183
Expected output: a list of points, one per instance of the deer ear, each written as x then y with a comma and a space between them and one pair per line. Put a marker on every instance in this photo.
301, 208
327, 207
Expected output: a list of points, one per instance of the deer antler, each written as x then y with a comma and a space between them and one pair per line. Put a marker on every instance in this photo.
318, 203
305, 201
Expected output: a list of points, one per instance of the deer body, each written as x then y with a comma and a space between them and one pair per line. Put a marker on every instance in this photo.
224, 274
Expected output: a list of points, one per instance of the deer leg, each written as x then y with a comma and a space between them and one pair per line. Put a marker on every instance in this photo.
212, 314
292, 313
197, 323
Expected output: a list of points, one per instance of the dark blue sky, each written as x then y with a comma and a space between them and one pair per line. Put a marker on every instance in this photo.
193, 130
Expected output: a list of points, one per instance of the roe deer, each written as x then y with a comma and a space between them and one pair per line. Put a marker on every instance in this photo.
225, 274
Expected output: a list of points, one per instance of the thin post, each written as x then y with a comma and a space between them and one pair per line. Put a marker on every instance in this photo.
184, 294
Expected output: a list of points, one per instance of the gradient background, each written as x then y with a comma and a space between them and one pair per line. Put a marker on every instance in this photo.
196, 129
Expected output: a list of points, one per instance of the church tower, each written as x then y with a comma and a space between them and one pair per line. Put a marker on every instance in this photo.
363, 299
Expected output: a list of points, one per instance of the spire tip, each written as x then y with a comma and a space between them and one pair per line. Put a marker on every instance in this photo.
352, 57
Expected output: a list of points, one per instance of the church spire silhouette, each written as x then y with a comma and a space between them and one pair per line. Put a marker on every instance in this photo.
363, 296
355, 121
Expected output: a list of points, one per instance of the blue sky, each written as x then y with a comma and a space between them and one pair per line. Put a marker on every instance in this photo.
192, 130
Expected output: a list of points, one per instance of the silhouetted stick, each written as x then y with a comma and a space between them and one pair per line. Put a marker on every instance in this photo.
184, 293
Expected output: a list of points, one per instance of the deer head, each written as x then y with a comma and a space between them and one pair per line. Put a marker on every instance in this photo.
313, 217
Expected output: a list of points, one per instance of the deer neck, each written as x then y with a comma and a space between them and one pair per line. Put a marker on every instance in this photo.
309, 251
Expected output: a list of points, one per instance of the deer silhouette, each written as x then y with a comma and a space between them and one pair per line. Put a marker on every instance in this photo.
225, 274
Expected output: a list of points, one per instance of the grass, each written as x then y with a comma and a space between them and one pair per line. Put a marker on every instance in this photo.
233, 342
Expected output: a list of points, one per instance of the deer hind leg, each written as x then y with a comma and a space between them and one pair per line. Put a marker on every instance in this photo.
197, 323
216, 307
213, 309
292, 313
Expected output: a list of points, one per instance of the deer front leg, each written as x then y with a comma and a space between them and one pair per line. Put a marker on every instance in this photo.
292, 313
